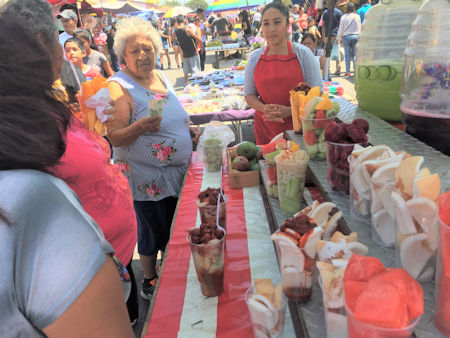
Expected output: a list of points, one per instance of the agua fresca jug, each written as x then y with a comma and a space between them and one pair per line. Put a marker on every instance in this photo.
379, 57
426, 76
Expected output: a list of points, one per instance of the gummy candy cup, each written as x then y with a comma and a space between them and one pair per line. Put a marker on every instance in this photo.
338, 167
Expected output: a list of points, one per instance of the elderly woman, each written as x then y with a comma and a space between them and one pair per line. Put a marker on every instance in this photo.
151, 137
57, 277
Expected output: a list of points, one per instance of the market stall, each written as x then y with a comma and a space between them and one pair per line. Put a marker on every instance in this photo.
180, 309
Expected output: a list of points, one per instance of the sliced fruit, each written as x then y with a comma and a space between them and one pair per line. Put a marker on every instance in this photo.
262, 311
403, 218
361, 268
385, 173
423, 211
321, 213
384, 225
330, 250
325, 104
353, 290
331, 225
429, 187
353, 237
413, 254
311, 244
281, 238
384, 194
406, 173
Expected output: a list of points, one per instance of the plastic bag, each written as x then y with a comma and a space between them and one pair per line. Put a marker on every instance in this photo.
213, 143
220, 130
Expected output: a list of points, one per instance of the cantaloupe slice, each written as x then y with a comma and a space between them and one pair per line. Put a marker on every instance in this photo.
406, 174
429, 187
325, 104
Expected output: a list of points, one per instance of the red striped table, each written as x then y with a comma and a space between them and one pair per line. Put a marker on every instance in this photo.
178, 308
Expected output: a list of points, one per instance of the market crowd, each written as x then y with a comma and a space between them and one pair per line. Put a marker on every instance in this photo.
73, 204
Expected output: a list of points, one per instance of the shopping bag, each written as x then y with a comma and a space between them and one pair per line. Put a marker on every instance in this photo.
335, 51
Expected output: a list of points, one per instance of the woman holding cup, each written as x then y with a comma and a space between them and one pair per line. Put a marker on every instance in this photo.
152, 139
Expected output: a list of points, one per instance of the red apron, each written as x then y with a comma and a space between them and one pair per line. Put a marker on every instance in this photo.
275, 76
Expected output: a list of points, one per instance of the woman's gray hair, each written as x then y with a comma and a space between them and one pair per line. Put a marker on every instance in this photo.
37, 14
133, 26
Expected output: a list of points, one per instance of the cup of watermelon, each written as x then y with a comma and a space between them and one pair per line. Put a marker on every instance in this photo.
271, 172
380, 302
318, 113
442, 311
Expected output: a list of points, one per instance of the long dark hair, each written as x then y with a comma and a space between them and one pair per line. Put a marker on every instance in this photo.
278, 5
33, 122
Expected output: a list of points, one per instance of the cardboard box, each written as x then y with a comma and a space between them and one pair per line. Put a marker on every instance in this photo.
240, 179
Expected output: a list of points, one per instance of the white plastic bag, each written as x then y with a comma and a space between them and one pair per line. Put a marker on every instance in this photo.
99, 101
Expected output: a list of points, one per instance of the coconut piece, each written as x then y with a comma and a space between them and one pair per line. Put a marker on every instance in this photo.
359, 181
376, 203
413, 254
321, 213
405, 175
403, 218
384, 226
423, 211
340, 262
384, 194
429, 187
311, 245
262, 311
281, 237
380, 151
385, 173
331, 225
358, 248
353, 237
330, 250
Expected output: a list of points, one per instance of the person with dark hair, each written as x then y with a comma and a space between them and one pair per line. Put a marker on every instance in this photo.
110, 42
309, 40
69, 21
203, 25
174, 42
312, 29
246, 26
272, 71
365, 6
93, 58
348, 33
326, 34
57, 275
187, 39
221, 25
74, 51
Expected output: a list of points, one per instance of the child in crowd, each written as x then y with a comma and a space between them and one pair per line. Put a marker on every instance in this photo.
74, 50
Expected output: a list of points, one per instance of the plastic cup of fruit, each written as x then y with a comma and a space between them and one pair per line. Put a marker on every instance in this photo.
267, 320
298, 272
213, 156
442, 310
357, 328
271, 172
338, 171
208, 213
335, 317
209, 262
291, 182
314, 137
359, 206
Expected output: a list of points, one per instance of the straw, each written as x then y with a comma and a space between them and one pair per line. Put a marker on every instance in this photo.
218, 209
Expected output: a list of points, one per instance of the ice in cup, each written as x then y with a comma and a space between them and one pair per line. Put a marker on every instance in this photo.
207, 206
267, 306
380, 302
213, 151
414, 201
296, 244
207, 247
442, 310
291, 173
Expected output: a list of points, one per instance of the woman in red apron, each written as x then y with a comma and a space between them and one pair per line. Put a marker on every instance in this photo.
277, 70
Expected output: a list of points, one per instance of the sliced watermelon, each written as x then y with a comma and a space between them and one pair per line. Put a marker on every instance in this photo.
442, 316
272, 174
408, 288
382, 306
353, 290
444, 215
362, 268
309, 137
444, 207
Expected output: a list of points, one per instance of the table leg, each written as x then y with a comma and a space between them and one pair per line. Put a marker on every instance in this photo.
217, 59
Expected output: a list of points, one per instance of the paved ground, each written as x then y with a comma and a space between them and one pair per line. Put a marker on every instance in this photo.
176, 78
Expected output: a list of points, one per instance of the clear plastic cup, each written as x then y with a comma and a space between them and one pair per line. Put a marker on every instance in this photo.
213, 156
314, 137
291, 182
442, 310
359, 206
208, 213
298, 272
209, 262
338, 170
272, 182
335, 317
357, 328
267, 321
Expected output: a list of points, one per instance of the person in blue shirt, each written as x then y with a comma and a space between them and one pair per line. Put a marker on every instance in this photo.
336, 18
366, 5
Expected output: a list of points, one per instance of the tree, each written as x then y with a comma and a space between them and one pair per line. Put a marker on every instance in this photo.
172, 3
194, 4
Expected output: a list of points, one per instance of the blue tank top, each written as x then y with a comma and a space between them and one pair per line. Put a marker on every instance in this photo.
155, 163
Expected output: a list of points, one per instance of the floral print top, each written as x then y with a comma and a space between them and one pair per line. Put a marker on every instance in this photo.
155, 163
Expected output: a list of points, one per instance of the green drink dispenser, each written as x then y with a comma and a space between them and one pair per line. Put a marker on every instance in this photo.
379, 57
426, 77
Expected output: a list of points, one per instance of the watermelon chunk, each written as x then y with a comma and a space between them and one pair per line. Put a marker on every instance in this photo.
444, 215
382, 306
353, 290
408, 288
362, 268
271, 174
309, 137
442, 316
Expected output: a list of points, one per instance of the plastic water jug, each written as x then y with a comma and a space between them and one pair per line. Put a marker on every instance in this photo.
426, 78
379, 56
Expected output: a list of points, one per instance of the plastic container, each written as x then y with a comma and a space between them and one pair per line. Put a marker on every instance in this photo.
291, 183
359, 206
209, 262
272, 181
442, 310
267, 321
426, 84
335, 317
208, 213
358, 329
314, 137
379, 57
213, 155
338, 171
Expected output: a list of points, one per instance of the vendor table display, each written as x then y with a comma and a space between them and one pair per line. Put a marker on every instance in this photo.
178, 308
